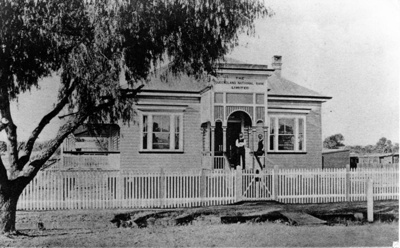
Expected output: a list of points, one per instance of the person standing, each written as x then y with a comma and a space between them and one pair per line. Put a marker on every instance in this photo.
260, 150
260, 147
240, 145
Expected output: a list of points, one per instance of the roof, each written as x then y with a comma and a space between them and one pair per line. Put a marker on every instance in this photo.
364, 155
95, 130
328, 151
282, 87
164, 81
278, 86
175, 83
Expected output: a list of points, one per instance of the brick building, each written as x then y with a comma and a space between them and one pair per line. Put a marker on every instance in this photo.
183, 123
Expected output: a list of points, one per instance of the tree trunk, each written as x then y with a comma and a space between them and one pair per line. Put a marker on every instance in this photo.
8, 209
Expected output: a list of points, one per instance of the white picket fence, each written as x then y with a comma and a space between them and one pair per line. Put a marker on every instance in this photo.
335, 185
52, 190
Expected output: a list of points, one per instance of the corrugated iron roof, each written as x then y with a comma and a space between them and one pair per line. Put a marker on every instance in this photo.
175, 83
278, 86
283, 87
326, 151
365, 155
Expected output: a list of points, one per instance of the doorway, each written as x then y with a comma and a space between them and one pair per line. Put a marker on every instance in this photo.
237, 122
232, 133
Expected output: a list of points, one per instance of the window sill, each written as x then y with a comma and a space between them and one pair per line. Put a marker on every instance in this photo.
286, 152
162, 151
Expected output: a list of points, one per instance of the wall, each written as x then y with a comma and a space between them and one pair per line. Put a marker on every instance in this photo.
312, 158
336, 159
191, 157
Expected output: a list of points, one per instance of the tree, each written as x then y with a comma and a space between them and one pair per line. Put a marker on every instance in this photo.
90, 44
396, 147
384, 146
333, 141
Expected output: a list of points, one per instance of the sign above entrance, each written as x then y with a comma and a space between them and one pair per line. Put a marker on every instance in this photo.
239, 84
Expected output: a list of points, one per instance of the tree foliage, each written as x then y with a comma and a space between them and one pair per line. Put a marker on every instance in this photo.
382, 146
90, 44
334, 141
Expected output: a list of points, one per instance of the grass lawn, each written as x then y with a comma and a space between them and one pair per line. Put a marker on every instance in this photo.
234, 235
92, 228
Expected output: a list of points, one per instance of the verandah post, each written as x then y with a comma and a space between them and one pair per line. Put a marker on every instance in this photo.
275, 182
348, 183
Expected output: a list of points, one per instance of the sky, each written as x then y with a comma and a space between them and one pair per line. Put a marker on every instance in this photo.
348, 50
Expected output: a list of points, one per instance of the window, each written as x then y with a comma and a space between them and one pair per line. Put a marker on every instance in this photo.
161, 132
287, 134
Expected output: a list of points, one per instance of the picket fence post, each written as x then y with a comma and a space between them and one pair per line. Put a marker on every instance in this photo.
348, 183
203, 187
119, 184
370, 199
238, 180
275, 182
162, 188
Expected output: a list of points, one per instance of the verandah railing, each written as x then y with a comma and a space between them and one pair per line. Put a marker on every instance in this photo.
161, 189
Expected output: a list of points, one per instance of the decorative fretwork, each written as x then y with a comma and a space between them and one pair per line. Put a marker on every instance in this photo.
218, 113
260, 114
247, 109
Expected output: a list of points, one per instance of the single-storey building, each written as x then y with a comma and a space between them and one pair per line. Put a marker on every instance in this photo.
184, 123
375, 158
335, 158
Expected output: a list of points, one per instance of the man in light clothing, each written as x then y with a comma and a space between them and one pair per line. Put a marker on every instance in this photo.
240, 143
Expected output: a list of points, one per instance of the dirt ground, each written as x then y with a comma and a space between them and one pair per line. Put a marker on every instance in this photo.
94, 228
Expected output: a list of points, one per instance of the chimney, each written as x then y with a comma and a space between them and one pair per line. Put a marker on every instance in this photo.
277, 64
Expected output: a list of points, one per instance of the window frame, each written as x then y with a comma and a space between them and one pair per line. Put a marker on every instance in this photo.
172, 131
296, 133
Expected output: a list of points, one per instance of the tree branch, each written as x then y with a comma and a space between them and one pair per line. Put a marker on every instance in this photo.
24, 158
3, 124
30, 170
10, 128
129, 93
3, 174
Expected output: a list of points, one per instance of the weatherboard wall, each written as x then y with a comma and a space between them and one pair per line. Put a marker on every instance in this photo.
133, 158
312, 157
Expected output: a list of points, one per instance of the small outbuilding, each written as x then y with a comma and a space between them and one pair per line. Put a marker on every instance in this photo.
335, 158
376, 158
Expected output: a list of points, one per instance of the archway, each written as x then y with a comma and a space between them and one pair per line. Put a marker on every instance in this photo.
238, 121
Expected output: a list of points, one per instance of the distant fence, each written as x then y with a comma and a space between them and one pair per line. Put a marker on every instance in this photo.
135, 189
377, 165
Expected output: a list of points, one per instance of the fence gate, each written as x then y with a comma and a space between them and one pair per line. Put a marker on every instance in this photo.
257, 185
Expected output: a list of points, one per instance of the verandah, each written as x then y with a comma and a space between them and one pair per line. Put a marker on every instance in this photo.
52, 190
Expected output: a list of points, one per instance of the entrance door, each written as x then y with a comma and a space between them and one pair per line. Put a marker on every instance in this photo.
232, 133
